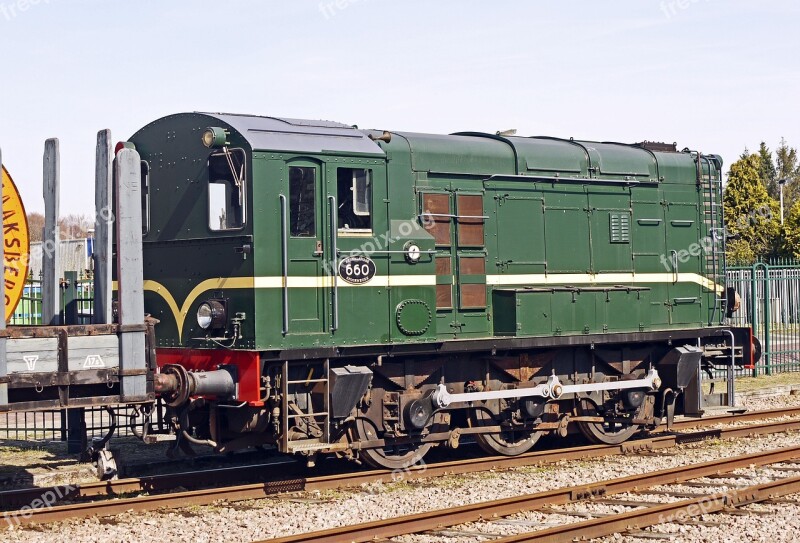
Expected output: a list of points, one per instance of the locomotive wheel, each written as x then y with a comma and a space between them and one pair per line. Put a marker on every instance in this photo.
604, 433
392, 457
507, 443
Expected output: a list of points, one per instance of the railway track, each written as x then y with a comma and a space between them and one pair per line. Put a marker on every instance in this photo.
641, 513
291, 476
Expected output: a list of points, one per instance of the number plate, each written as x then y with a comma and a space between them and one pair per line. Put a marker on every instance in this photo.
357, 270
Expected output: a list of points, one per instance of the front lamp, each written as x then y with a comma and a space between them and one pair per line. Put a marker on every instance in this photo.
215, 137
212, 315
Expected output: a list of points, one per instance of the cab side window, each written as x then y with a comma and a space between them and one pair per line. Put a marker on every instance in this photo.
226, 190
354, 197
302, 198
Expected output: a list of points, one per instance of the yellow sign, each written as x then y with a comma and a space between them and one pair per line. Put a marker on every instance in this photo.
16, 244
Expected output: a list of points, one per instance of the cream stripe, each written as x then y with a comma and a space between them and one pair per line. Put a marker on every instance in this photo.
600, 278
327, 282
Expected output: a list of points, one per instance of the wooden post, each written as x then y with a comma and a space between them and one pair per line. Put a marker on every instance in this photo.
3, 360
104, 221
51, 238
130, 273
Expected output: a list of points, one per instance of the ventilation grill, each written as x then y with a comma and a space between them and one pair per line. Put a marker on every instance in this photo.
620, 228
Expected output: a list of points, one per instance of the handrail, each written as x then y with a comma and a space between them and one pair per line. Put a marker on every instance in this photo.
285, 263
333, 210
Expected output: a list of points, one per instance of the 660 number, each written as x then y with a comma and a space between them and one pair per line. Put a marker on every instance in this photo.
357, 270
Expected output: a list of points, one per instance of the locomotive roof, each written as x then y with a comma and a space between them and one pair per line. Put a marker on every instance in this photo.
462, 153
276, 133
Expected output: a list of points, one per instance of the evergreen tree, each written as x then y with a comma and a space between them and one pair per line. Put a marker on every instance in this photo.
787, 168
791, 232
768, 174
752, 217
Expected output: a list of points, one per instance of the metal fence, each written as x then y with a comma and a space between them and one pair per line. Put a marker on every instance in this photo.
770, 297
76, 300
29, 309
53, 425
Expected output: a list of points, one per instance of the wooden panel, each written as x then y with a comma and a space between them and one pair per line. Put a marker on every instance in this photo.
444, 265
473, 296
470, 231
444, 296
93, 352
472, 265
33, 355
439, 227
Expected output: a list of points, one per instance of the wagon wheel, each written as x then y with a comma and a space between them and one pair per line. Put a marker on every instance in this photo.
603, 433
392, 456
505, 443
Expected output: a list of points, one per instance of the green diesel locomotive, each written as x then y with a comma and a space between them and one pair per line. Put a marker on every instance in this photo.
322, 288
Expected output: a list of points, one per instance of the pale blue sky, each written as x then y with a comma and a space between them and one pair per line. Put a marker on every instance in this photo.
710, 74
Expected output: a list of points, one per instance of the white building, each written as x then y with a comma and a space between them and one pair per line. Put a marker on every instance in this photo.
74, 257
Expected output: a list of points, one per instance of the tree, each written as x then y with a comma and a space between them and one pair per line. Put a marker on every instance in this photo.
752, 217
35, 225
791, 231
768, 174
787, 168
72, 226
75, 226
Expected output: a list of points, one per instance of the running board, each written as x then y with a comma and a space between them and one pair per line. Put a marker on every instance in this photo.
553, 389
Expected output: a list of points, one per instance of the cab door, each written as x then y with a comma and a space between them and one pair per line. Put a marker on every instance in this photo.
304, 253
359, 227
682, 243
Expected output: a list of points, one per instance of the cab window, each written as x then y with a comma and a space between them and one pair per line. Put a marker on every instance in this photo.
354, 197
302, 198
226, 190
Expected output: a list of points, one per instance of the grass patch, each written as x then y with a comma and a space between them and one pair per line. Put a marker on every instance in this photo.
747, 384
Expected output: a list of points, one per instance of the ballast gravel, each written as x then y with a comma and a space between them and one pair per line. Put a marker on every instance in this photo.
249, 521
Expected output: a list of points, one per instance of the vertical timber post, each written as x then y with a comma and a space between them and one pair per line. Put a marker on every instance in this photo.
104, 222
3, 359
130, 274
50, 240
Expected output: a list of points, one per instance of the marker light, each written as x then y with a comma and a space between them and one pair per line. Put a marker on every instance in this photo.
214, 137
413, 252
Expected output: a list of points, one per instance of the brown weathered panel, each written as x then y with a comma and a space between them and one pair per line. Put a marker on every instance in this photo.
471, 265
473, 296
439, 227
444, 265
470, 231
444, 296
